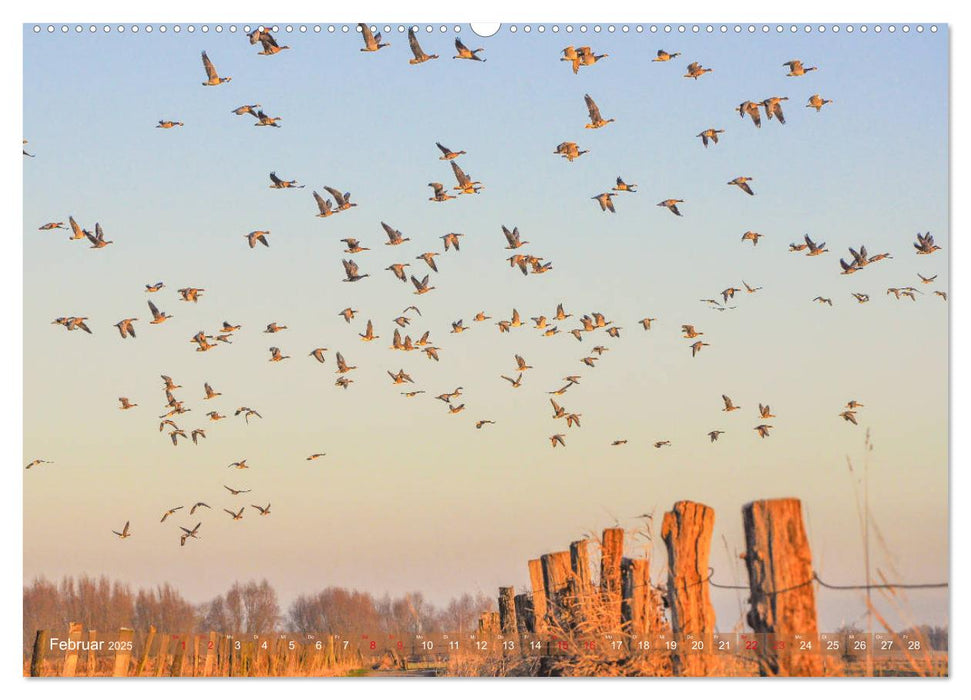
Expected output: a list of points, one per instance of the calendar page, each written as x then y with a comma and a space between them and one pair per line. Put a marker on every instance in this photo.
442, 349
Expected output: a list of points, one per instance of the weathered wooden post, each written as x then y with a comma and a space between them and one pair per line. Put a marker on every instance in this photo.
780, 571
40, 649
178, 656
75, 630
231, 669
538, 593
211, 650
91, 665
556, 579
507, 611
581, 585
611, 552
687, 531
123, 652
143, 659
635, 577
524, 614
195, 655
162, 657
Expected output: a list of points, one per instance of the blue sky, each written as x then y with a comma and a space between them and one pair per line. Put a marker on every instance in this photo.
870, 168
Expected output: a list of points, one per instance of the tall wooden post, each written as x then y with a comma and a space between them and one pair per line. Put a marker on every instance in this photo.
556, 577
231, 656
178, 656
40, 650
525, 621
780, 570
126, 637
75, 630
538, 590
687, 531
635, 576
211, 650
143, 659
507, 611
581, 585
91, 665
611, 552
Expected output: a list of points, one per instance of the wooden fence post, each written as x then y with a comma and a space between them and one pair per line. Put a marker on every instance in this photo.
556, 579
211, 647
230, 656
538, 594
524, 614
780, 570
126, 638
143, 659
162, 657
507, 611
75, 630
581, 585
635, 576
687, 531
178, 657
91, 664
611, 552
40, 649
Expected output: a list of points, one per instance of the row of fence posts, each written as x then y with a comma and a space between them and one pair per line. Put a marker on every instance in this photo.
777, 558
210, 654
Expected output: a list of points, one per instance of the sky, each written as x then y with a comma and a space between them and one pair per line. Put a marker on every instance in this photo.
410, 497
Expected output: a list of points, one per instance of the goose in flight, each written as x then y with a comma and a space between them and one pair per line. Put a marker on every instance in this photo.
849, 416
464, 52
456, 409
353, 246
750, 290
689, 331
465, 184
125, 327
696, 347
587, 57
941, 294
762, 430
29, 155
318, 354
646, 322
348, 313
854, 404
187, 533
729, 406
572, 419
557, 439
165, 124
796, 68
241, 464
52, 225
255, 236
317, 455
274, 328
849, 268
606, 202
814, 248
516, 383
624, 187
247, 109
368, 334
926, 280
98, 238
925, 244
191, 294
773, 108
324, 206
279, 184
420, 56
351, 270
569, 150
451, 240
457, 327
596, 121
170, 511
713, 435
125, 403
663, 56
343, 199
422, 286
154, 287
480, 423
264, 120
752, 236
400, 378
742, 183
878, 257
440, 194
395, 237
824, 300
372, 42
817, 102
428, 258
125, 532
448, 154
77, 232
247, 412
765, 411
237, 515
589, 361
37, 462
617, 443
672, 205
398, 269
342, 366
431, 352
267, 41
860, 297
175, 435
662, 443
521, 365
211, 74
196, 434
696, 71
752, 109
709, 135
277, 356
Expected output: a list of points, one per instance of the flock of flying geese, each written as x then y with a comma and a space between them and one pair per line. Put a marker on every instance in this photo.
589, 323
